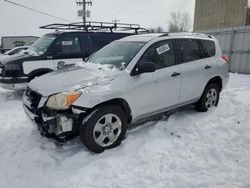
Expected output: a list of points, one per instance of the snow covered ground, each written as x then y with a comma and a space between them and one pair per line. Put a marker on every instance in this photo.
186, 150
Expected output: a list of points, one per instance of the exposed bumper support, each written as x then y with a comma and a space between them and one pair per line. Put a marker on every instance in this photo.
60, 126
29, 113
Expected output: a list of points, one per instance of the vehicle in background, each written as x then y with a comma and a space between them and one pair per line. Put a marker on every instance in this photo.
10, 42
130, 79
57, 50
16, 50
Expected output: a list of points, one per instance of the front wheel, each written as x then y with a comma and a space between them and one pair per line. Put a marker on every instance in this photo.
209, 98
104, 128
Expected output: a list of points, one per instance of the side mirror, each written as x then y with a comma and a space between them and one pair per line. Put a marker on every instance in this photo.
144, 67
41, 53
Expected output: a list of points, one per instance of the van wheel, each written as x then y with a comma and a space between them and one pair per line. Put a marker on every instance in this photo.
209, 98
104, 128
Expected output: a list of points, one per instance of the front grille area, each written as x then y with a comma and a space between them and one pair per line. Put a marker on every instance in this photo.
33, 97
11, 73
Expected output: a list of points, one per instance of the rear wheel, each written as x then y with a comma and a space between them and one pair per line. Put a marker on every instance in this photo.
209, 98
104, 128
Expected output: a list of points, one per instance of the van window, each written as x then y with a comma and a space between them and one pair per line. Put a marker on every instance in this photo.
189, 50
97, 41
42, 44
161, 54
208, 48
69, 44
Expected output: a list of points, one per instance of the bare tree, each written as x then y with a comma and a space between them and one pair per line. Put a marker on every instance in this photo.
158, 29
179, 22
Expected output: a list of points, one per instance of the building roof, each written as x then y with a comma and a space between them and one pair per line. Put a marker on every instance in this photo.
19, 37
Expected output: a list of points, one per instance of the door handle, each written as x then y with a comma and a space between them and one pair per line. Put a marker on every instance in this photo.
175, 74
208, 67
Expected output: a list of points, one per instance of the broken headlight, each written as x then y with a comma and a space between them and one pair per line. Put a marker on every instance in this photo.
62, 101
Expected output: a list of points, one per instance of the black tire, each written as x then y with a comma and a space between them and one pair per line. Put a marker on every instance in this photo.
201, 104
32, 77
89, 123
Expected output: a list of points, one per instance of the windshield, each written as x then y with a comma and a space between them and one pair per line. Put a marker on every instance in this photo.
118, 54
41, 45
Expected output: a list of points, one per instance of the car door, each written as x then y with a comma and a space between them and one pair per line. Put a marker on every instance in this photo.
191, 68
156, 91
210, 59
67, 51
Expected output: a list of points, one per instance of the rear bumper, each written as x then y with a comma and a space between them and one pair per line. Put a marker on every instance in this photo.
11, 83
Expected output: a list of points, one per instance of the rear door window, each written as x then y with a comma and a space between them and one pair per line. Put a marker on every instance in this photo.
188, 50
69, 44
208, 48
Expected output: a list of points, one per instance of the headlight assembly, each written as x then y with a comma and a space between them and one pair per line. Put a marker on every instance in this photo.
62, 101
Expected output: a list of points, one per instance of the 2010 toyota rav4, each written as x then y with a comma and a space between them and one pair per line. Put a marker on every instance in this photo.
128, 80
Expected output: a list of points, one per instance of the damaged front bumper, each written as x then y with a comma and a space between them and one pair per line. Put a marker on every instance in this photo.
61, 125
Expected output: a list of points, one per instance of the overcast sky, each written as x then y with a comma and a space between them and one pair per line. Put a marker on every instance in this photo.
149, 13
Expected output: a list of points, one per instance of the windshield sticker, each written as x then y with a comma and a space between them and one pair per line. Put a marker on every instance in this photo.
163, 49
67, 43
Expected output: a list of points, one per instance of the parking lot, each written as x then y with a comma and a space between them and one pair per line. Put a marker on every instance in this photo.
187, 149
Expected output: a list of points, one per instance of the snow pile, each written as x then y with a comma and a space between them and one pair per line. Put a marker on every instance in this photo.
187, 149
6, 94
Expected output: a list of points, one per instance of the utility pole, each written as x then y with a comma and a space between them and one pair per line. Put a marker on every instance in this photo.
115, 21
83, 3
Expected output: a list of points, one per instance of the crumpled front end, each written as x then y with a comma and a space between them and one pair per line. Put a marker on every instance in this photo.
61, 125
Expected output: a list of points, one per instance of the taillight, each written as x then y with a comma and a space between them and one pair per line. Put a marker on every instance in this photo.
225, 58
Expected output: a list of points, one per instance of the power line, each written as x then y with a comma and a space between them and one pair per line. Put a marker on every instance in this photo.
34, 10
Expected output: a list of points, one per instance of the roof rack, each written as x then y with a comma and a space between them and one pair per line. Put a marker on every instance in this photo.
96, 26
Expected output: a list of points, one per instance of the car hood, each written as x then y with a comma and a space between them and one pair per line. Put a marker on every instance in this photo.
4, 59
71, 79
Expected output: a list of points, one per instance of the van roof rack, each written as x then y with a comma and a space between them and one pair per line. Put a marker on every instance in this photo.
96, 26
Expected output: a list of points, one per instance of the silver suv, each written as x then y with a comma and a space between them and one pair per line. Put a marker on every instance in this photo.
130, 79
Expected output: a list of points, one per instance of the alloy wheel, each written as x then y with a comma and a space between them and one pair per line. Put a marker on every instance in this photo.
107, 130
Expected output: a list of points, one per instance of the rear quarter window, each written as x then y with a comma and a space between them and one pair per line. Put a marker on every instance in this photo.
208, 48
188, 50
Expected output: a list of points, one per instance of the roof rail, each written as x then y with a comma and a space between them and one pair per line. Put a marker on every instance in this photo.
96, 26
186, 33
164, 35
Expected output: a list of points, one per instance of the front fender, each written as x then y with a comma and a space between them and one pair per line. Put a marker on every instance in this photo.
96, 95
